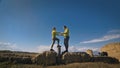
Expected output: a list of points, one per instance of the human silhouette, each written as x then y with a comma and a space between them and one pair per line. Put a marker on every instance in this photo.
54, 38
66, 38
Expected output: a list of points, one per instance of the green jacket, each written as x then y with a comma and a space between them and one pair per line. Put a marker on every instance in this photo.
66, 32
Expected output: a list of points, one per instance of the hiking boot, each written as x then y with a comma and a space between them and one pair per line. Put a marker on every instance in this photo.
51, 50
58, 46
66, 51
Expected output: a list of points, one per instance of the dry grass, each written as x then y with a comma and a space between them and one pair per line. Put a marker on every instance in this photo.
87, 65
73, 65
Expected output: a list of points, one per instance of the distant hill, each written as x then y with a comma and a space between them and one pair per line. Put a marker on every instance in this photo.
6, 53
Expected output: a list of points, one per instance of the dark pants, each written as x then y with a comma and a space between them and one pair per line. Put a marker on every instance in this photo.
53, 42
66, 43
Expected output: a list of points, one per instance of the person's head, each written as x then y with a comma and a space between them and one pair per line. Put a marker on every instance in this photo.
54, 28
65, 27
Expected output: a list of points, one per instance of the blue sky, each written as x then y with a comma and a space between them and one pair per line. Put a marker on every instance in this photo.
26, 24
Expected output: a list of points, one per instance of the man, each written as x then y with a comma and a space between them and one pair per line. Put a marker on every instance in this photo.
54, 38
66, 38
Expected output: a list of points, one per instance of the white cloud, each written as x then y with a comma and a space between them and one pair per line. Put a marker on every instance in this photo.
114, 31
7, 46
104, 38
78, 48
43, 48
86, 48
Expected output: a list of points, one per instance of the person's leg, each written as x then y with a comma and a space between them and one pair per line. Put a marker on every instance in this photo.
67, 43
57, 41
53, 42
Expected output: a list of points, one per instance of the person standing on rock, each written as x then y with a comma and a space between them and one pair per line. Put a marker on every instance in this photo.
54, 38
66, 38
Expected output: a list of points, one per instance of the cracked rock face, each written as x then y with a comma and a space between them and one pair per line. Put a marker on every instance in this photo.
113, 50
70, 57
45, 58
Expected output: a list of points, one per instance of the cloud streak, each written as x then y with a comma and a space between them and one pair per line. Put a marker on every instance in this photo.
104, 38
112, 34
114, 31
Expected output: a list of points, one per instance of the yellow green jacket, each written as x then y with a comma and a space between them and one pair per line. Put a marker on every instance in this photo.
66, 32
54, 33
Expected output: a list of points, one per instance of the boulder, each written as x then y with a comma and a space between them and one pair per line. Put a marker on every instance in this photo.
70, 57
45, 58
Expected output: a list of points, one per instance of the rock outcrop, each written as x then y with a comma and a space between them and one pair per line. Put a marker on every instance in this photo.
113, 50
45, 58
70, 57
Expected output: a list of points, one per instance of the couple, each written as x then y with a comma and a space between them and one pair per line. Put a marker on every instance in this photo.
66, 37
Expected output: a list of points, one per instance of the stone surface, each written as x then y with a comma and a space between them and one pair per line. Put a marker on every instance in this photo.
70, 57
45, 58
